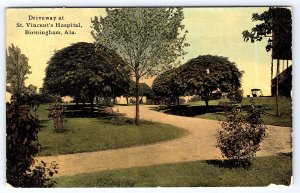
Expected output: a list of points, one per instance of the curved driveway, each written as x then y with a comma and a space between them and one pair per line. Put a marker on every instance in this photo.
198, 144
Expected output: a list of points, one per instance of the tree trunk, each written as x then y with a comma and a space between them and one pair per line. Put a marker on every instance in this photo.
92, 104
277, 89
177, 100
137, 105
271, 71
127, 101
97, 100
141, 100
206, 102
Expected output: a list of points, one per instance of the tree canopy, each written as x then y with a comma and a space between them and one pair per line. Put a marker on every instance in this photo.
144, 90
276, 25
169, 84
17, 69
207, 73
81, 72
148, 39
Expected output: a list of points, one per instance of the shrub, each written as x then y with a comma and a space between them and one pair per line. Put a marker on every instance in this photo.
241, 135
236, 96
21, 146
56, 113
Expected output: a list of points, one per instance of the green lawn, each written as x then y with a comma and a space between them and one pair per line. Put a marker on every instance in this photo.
270, 118
264, 170
211, 102
92, 134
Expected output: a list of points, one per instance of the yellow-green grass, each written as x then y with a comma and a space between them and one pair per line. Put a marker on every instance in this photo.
93, 134
263, 171
269, 118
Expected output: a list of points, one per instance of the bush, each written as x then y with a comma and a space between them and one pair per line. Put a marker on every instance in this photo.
21, 146
56, 113
241, 135
236, 96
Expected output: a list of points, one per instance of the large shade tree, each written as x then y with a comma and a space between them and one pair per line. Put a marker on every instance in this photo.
169, 85
17, 69
148, 39
82, 72
207, 73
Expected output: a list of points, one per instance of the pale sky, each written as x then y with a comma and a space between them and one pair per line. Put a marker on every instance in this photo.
215, 31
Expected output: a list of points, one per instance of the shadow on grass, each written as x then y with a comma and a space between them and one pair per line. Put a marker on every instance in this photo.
80, 111
290, 154
245, 164
191, 111
121, 120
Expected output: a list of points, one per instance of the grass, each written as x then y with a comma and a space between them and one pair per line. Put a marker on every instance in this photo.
270, 118
215, 112
92, 134
264, 171
211, 102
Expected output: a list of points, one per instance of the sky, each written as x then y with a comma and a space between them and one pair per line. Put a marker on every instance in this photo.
215, 31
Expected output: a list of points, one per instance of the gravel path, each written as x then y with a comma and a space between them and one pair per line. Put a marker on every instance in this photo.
198, 144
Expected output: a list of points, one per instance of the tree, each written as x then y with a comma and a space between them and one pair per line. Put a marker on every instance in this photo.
81, 72
205, 74
148, 39
17, 69
277, 27
129, 91
21, 148
144, 89
169, 84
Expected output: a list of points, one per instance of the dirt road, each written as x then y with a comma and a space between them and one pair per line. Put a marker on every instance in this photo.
198, 144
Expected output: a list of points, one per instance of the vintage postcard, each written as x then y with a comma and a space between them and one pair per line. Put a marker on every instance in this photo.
149, 97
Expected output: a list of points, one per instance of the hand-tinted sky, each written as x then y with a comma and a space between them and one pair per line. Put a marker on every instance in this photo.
215, 31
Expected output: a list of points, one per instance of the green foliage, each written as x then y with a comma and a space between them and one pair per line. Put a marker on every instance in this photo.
168, 84
146, 38
272, 20
144, 90
236, 96
21, 146
205, 74
82, 72
57, 114
199, 76
29, 95
149, 40
17, 69
241, 135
